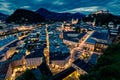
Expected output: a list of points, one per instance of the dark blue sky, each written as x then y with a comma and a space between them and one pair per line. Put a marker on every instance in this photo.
83, 6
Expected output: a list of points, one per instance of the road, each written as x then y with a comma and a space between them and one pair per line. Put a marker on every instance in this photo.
80, 47
81, 44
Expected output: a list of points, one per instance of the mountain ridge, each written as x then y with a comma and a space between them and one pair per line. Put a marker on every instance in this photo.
56, 16
24, 16
3, 16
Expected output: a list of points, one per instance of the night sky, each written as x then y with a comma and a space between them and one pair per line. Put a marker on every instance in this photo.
83, 6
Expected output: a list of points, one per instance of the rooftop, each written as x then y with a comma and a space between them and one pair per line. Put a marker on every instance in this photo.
4, 51
73, 36
82, 64
93, 59
42, 38
59, 52
36, 54
1, 57
98, 35
13, 44
19, 55
64, 74
6, 40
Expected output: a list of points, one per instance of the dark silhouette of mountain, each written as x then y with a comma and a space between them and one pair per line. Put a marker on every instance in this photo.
3, 17
102, 18
49, 15
25, 16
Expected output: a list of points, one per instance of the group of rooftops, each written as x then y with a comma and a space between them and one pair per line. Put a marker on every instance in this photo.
6, 40
58, 50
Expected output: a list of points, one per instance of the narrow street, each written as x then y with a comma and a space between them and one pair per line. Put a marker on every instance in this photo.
73, 51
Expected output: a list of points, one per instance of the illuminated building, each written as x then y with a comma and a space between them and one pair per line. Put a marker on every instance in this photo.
100, 37
73, 38
81, 66
59, 55
7, 41
34, 58
74, 21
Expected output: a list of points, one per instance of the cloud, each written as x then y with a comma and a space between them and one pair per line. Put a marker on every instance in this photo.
5, 5
25, 7
6, 11
58, 2
84, 9
38, 0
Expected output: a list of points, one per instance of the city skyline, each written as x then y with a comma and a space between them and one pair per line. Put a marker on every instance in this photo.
72, 6
59, 40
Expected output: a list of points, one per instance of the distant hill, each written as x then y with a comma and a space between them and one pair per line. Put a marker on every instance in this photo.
25, 16
3, 17
49, 15
102, 18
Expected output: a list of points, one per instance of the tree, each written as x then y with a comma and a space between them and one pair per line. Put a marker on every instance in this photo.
107, 67
27, 75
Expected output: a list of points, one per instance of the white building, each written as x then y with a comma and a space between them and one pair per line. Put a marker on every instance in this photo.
34, 59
